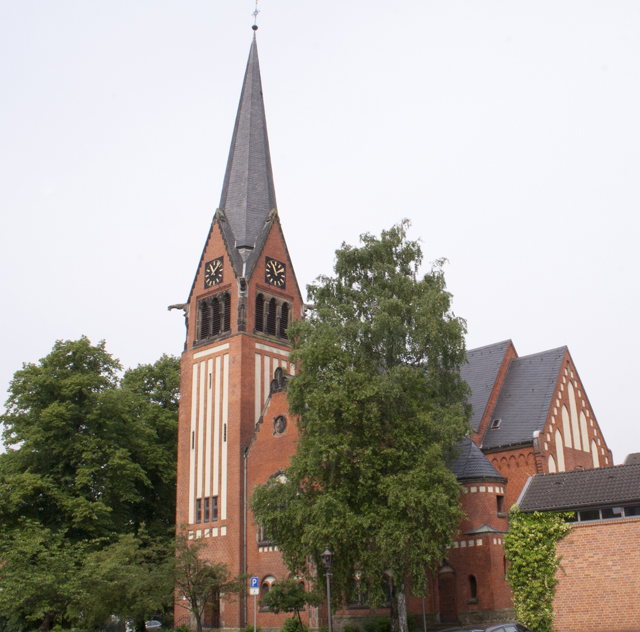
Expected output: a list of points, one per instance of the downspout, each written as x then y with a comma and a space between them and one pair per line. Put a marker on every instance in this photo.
246, 450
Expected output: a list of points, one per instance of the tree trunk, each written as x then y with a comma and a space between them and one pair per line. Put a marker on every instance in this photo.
299, 619
46, 624
398, 609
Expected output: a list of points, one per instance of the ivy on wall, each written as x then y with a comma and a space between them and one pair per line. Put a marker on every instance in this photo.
530, 547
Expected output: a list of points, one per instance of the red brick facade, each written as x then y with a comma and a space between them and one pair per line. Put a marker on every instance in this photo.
599, 579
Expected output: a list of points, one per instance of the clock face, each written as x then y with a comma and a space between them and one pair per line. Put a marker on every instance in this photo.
275, 273
213, 272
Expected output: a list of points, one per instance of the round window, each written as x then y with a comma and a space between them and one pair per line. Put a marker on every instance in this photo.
280, 424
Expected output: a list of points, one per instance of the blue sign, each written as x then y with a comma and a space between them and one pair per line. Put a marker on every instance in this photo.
254, 582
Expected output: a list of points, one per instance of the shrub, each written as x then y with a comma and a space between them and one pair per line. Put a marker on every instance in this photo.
348, 627
249, 628
412, 620
379, 624
293, 625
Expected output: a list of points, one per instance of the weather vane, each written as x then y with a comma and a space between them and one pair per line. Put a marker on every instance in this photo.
255, 17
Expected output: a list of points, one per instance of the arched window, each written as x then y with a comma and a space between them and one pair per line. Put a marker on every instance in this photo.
560, 449
594, 454
552, 465
205, 320
265, 587
284, 320
226, 325
473, 587
566, 428
215, 308
271, 317
259, 313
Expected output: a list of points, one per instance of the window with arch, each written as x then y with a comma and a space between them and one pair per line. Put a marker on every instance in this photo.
272, 314
473, 587
265, 587
284, 320
214, 316
259, 313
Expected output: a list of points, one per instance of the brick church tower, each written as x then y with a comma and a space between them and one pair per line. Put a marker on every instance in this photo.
243, 296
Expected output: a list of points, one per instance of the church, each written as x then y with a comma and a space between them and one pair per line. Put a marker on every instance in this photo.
531, 414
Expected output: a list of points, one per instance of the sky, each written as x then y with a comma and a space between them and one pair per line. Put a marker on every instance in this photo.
506, 131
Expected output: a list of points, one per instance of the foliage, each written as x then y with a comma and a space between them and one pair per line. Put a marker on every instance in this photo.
41, 574
249, 628
349, 627
202, 581
294, 625
378, 624
90, 460
380, 406
530, 548
289, 595
412, 620
130, 578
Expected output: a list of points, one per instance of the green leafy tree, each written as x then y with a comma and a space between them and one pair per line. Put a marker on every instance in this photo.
530, 547
130, 578
200, 581
380, 406
289, 595
41, 576
90, 458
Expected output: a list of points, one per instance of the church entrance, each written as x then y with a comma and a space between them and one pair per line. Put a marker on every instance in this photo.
212, 613
447, 592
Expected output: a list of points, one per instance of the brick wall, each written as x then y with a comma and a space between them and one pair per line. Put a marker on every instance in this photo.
600, 585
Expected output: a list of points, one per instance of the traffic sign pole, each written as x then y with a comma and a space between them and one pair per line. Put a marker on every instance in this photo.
254, 589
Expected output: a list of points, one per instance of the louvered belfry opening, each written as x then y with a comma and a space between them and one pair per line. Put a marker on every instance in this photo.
259, 313
284, 320
227, 313
205, 320
215, 305
271, 317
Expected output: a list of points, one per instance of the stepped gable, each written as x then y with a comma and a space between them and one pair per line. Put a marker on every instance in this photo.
471, 464
480, 374
525, 398
619, 484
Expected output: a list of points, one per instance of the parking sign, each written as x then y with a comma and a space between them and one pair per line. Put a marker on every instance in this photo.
254, 588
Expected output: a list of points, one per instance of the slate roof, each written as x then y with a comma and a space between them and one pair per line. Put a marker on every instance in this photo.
248, 192
480, 374
632, 459
619, 484
525, 398
471, 464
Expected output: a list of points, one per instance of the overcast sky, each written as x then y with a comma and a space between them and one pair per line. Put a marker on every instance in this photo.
508, 132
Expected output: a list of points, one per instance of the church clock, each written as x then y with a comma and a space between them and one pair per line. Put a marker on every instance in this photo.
275, 273
213, 272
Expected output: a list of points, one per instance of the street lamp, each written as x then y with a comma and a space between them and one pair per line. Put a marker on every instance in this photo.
327, 558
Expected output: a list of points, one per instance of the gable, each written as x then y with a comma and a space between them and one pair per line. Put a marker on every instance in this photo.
525, 398
481, 373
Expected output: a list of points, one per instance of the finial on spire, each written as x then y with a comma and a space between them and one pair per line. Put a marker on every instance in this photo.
255, 17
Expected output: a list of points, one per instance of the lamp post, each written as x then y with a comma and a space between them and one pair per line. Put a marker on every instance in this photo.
327, 558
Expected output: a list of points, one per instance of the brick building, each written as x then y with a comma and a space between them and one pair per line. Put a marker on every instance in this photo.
606, 503
530, 414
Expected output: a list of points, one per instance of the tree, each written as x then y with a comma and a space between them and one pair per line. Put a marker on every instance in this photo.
90, 458
289, 595
201, 581
40, 578
380, 407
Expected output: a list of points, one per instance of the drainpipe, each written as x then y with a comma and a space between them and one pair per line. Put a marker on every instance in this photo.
246, 450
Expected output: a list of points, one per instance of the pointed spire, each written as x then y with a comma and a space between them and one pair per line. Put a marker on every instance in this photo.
248, 193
